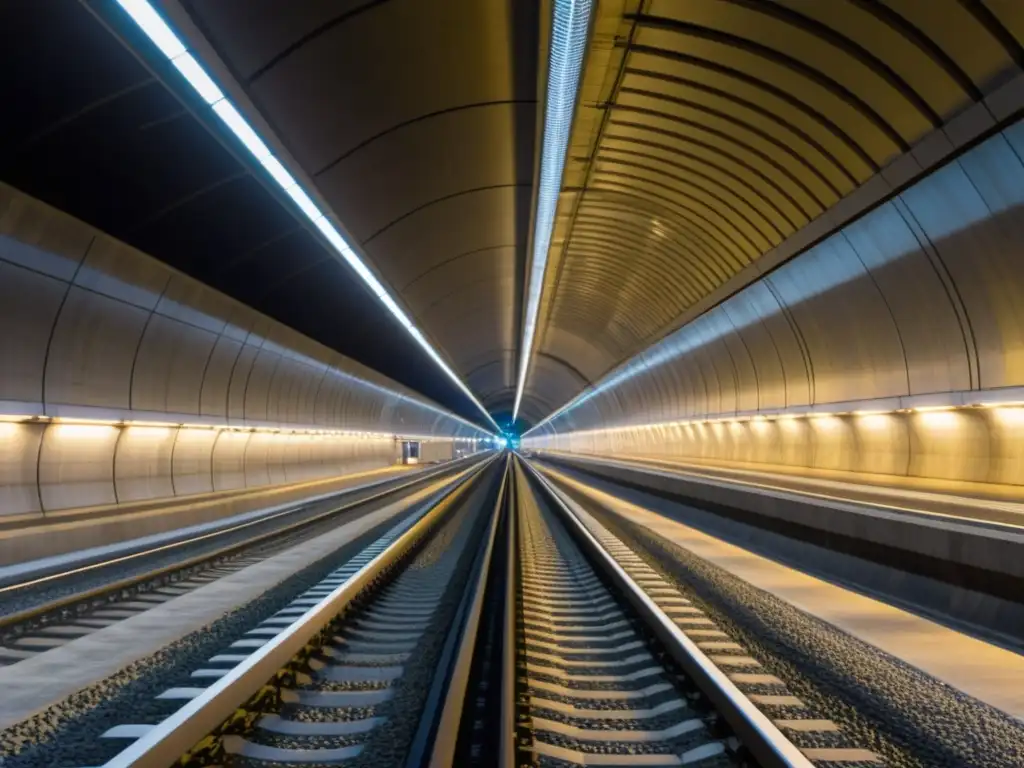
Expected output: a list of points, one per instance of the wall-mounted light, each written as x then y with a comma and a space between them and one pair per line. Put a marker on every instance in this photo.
1010, 413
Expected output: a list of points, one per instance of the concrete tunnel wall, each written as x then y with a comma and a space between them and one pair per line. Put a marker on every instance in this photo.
95, 333
917, 305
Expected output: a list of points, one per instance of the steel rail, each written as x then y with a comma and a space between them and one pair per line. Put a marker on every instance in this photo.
446, 735
177, 735
68, 601
754, 729
508, 743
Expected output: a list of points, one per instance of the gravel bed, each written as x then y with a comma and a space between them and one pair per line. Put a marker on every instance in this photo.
284, 741
549, 536
67, 734
32, 597
556, 621
671, 747
607, 704
808, 739
306, 714
907, 717
656, 723
620, 668
574, 647
721, 761
448, 555
340, 685
583, 685
244, 762
580, 654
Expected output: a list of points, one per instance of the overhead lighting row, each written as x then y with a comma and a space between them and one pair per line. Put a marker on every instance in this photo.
568, 43
159, 32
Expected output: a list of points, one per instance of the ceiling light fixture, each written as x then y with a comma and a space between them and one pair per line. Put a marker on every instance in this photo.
568, 42
159, 32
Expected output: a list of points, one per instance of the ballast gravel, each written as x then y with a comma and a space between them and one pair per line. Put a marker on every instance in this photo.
38, 595
908, 718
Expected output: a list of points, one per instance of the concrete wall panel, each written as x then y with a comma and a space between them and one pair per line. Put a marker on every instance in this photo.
977, 445
29, 303
19, 455
257, 388
241, 370
953, 445
169, 366
993, 262
40, 238
883, 444
131, 366
260, 453
217, 377
193, 303
115, 270
919, 299
92, 352
76, 466
746, 317
193, 461
902, 266
229, 460
845, 325
143, 463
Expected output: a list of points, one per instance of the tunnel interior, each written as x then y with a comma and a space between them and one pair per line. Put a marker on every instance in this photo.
512, 383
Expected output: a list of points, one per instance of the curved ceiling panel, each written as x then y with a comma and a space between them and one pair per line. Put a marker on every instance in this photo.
708, 132
107, 131
417, 123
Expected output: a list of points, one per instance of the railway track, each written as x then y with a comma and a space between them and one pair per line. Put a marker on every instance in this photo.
594, 691
48, 611
499, 625
367, 667
749, 716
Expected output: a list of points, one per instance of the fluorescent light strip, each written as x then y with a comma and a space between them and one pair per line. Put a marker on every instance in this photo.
157, 30
568, 42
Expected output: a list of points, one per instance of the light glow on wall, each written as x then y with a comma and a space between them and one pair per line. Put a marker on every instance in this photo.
84, 431
939, 416
167, 41
149, 432
72, 427
875, 421
939, 419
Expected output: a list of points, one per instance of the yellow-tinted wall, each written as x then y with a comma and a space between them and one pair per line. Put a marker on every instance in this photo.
95, 335
974, 444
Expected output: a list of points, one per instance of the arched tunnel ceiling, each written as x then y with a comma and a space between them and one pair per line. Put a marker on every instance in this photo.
417, 123
709, 131
415, 120
707, 134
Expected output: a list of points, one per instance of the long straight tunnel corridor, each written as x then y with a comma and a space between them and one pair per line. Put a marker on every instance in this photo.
512, 382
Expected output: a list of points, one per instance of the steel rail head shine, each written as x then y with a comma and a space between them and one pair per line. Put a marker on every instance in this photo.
445, 741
